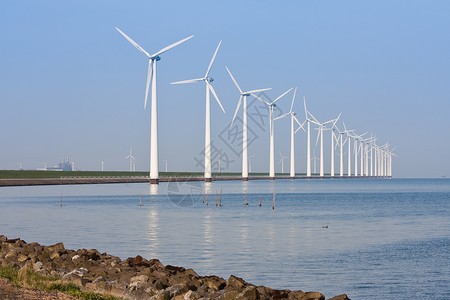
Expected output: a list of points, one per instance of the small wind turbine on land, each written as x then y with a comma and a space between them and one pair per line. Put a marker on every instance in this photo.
132, 160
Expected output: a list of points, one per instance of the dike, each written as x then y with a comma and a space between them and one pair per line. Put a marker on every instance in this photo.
135, 277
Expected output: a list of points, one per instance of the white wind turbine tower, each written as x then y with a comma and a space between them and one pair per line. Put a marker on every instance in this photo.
132, 160
244, 95
320, 134
341, 150
271, 106
151, 79
293, 132
207, 80
333, 137
282, 162
349, 162
102, 163
308, 143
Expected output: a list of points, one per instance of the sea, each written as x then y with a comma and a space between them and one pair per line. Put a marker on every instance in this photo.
367, 238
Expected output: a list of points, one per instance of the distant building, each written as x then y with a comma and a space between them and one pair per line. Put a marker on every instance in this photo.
63, 166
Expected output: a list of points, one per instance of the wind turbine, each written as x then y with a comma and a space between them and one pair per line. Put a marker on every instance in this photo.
209, 88
293, 132
250, 158
244, 95
151, 78
132, 159
320, 135
342, 143
333, 137
308, 143
349, 162
282, 162
102, 163
271, 106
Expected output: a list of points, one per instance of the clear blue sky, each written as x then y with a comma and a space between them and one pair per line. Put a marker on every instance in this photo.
71, 85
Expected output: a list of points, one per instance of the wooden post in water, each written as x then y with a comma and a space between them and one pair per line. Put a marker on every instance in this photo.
217, 199
259, 200
203, 199
246, 203
221, 197
273, 202
207, 194
60, 203
140, 200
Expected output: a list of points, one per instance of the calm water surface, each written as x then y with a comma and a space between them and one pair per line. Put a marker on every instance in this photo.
385, 238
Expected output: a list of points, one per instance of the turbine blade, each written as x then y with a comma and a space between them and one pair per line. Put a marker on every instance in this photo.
212, 60
306, 111
215, 95
149, 76
237, 108
301, 125
234, 80
260, 99
293, 99
282, 116
171, 46
318, 135
257, 91
279, 97
133, 43
188, 81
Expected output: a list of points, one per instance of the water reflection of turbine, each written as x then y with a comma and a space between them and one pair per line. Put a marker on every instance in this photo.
153, 190
208, 241
153, 232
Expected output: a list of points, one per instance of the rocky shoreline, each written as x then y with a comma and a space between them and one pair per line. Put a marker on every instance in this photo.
135, 277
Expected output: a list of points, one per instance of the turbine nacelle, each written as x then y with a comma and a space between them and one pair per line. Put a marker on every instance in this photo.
157, 58
209, 79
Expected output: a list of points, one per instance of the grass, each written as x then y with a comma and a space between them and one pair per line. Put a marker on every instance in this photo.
32, 279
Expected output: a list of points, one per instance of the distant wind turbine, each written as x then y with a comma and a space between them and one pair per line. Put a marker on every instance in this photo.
151, 78
271, 106
293, 132
132, 160
244, 95
209, 88
282, 162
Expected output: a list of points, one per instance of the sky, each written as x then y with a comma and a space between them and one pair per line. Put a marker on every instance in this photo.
72, 86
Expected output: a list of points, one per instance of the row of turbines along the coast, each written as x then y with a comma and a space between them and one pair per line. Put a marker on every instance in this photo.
374, 160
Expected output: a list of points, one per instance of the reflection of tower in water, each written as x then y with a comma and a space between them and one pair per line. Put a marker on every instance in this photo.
153, 232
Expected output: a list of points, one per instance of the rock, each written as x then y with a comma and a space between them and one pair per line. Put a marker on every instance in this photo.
162, 295
56, 247
177, 289
138, 279
191, 295
228, 295
54, 255
234, 282
340, 297
214, 282
117, 288
75, 257
249, 293
37, 266
313, 296
22, 257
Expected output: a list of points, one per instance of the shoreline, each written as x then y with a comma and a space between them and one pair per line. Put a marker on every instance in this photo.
133, 278
112, 180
